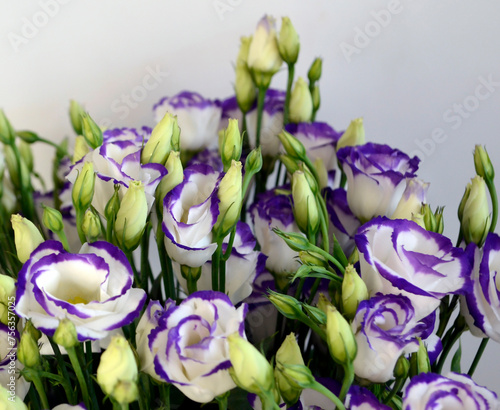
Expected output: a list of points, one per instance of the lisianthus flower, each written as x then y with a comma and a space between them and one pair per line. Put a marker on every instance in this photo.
198, 118
93, 289
359, 398
399, 256
376, 178
230, 110
209, 156
455, 391
481, 306
190, 347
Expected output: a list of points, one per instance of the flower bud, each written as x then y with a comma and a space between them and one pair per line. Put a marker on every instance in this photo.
288, 353
32, 330
301, 104
312, 259
76, 112
439, 219
52, 219
175, 141
83, 188
339, 336
91, 131
296, 241
7, 133
419, 361
293, 147
305, 208
289, 163
323, 303
131, 217
322, 173
244, 88
81, 149
113, 205
316, 98
27, 237
172, 179
353, 135
314, 73
117, 365
18, 170
91, 226
230, 196
27, 351
250, 370
402, 368
65, 334
126, 392
26, 154
288, 42
287, 305
253, 162
242, 58
430, 223
354, 291
418, 218
475, 220
158, 146
482, 163
299, 376
230, 147
7, 294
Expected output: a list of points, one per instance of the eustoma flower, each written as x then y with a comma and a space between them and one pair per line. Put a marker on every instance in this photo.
190, 346
376, 178
456, 391
481, 307
398, 256
93, 289
198, 118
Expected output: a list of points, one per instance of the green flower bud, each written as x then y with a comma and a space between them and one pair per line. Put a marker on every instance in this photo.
339, 336
7, 294
288, 353
430, 223
91, 131
32, 330
175, 141
83, 188
20, 181
27, 237
475, 220
81, 149
288, 42
314, 73
65, 334
7, 133
253, 163
301, 104
322, 173
316, 98
353, 135
287, 305
52, 219
402, 368
418, 218
290, 164
461, 206
244, 88
293, 147
439, 219
243, 51
296, 241
28, 136
230, 196
299, 376
117, 366
131, 217
250, 370
113, 205
26, 154
354, 291
419, 361
158, 146
482, 163
323, 303
91, 226
174, 177
231, 144
27, 351
76, 112
305, 207
125, 392
312, 259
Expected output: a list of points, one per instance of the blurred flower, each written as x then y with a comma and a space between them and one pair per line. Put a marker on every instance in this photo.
353, 135
26, 236
301, 104
288, 42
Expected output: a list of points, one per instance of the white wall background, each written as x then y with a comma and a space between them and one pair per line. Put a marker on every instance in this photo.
415, 76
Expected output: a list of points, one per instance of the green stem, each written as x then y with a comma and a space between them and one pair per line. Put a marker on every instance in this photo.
79, 221
166, 264
245, 143
286, 108
216, 265
79, 375
37, 381
314, 289
454, 336
70, 393
165, 395
398, 385
222, 275
145, 266
348, 379
494, 203
444, 317
477, 357
260, 110
137, 278
327, 393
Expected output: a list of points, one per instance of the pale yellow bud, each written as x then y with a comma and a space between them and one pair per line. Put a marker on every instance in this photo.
339, 336
26, 236
91, 131
230, 191
353, 135
301, 104
243, 51
354, 291
305, 208
172, 179
83, 188
482, 163
91, 226
65, 334
322, 173
244, 88
131, 217
476, 219
27, 351
288, 42
288, 353
7, 295
158, 146
75, 114
231, 144
418, 218
81, 149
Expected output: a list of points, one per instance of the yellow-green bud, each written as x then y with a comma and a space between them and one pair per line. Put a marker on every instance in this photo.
7, 294
301, 104
174, 177
28, 136
126, 392
32, 330
230, 196
353, 135
131, 217
91, 226
299, 376
323, 303
316, 98
293, 147
463, 201
290, 164
83, 188
339, 336
288, 353
419, 361
250, 370
65, 334
322, 173
418, 218
159, 144
354, 291
10, 401
244, 88
429, 218
305, 208
439, 219
475, 220
175, 141
11, 160
117, 365
243, 51
313, 184
314, 73
230, 148
482, 163
27, 237
76, 112
312, 259
296, 241
253, 163
26, 154
81, 149
402, 368
27, 351
52, 219
7, 133
91, 131
286, 304
113, 205
288, 42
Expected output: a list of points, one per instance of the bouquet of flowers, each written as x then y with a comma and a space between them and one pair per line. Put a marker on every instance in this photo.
239, 254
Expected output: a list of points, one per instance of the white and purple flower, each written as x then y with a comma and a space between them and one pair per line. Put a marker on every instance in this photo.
93, 289
190, 346
376, 177
456, 391
198, 118
399, 256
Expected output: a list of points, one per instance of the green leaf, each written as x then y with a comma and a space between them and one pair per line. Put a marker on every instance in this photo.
457, 357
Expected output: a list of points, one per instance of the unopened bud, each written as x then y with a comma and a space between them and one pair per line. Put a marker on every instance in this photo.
27, 237
354, 291
482, 163
91, 226
339, 336
301, 104
158, 146
76, 112
7, 133
244, 88
314, 73
293, 147
253, 162
83, 188
52, 219
296, 241
91, 131
288, 353
475, 220
231, 144
230, 196
65, 334
419, 361
287, 305
81, 149
305, 207
7, 293
27, 351
353, 135
316, 98
288, 42
113, 205
402, 368
174, 177
26, 154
